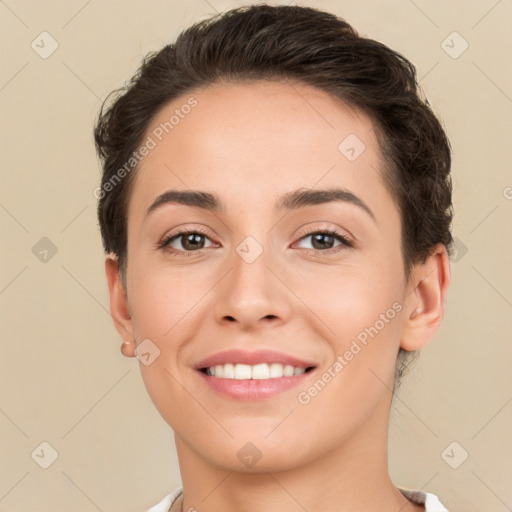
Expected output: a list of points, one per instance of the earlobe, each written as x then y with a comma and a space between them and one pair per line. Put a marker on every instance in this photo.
128, 349
119, 308
425, 303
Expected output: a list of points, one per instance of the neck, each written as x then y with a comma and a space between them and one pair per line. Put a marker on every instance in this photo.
354, 476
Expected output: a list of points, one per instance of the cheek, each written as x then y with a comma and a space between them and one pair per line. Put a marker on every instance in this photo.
364, 320
163, 299
348, 301
165, 311
358, 312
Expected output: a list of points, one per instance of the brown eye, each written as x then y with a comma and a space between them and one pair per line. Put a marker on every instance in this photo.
185, 242
324, 241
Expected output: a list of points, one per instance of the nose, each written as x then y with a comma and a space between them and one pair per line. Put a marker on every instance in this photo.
253, 292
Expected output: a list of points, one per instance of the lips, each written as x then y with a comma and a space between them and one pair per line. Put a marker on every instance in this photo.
237, 356
256, 375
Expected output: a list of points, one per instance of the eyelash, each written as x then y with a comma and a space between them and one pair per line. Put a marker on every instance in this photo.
345, 242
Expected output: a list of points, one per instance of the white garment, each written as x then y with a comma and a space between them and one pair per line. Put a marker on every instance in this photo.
431, 501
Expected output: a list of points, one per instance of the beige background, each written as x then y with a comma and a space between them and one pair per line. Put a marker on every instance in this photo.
63, 378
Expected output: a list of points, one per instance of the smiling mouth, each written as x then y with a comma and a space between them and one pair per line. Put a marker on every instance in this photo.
262, 371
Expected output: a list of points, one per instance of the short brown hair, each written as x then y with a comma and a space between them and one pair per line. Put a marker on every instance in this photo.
307, 45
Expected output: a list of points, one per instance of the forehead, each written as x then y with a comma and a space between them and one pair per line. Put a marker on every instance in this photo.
259, 137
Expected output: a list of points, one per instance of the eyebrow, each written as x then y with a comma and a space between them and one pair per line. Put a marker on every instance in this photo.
290, 201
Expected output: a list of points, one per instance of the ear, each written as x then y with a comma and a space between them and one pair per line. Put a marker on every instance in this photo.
119, 308
425, 302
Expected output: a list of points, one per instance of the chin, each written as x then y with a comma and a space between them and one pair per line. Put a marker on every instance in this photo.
255, 455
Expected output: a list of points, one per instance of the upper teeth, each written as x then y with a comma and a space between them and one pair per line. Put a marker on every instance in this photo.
258, 371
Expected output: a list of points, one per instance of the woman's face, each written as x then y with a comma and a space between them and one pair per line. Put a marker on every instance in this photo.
261, 274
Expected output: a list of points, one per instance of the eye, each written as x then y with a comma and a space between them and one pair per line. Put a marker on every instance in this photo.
184, 242
322, 241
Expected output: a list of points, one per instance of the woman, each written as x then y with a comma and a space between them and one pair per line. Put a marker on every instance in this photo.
275, 210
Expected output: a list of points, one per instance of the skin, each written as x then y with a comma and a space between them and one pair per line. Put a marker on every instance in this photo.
249, 144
